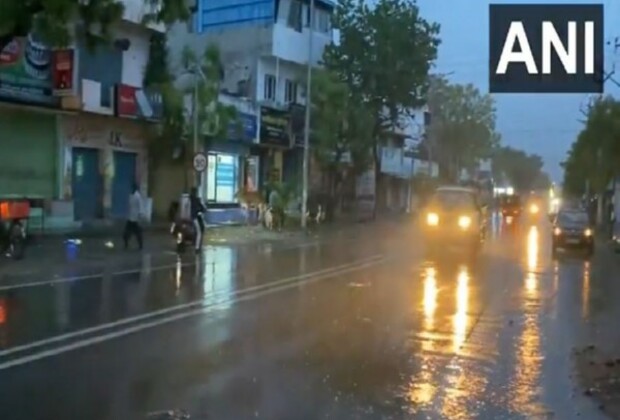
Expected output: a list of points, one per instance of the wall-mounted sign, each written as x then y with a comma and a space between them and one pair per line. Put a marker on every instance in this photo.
275, 127
26, 72
134, 102
64, 72
126, 103
200, 162
243, 128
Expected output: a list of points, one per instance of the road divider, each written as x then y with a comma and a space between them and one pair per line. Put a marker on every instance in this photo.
105, 332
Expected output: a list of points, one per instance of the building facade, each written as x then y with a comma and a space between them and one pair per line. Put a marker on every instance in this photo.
75, 122
265, 51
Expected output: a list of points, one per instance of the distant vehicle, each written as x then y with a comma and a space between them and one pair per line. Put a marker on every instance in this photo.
454, 216
534, 205
510, 205
572, 229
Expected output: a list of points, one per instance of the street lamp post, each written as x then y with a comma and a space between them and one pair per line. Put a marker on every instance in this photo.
197, 71
304, 198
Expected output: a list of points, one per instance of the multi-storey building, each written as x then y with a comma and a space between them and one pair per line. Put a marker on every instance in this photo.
73, 126
265, 51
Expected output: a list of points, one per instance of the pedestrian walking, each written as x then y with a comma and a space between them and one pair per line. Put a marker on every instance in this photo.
198, 211
132, 227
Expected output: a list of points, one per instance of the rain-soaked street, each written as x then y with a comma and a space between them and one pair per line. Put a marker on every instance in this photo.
350, 325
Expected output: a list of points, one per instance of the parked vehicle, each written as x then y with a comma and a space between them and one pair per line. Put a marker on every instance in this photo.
14, 213
572, 230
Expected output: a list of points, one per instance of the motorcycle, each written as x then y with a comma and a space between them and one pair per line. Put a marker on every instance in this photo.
13, 214
182, 226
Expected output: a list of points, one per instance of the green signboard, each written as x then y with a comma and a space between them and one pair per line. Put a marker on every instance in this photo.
26, 72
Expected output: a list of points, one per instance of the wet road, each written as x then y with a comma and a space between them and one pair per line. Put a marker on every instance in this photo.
358, 326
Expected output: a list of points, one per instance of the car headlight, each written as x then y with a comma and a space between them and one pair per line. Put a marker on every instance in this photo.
587, 232
432, 219
464, 222
557, 231
534, 209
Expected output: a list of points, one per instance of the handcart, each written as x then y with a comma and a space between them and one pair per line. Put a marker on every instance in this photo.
14, 214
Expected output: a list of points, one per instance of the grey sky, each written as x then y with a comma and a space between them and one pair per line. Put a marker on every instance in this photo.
545, 124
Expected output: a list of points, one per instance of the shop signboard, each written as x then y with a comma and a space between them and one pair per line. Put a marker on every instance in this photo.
243, 128
26, 72
134, 102
64, 72
275, 127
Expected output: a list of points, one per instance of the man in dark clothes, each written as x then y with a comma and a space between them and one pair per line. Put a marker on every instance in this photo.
198, 211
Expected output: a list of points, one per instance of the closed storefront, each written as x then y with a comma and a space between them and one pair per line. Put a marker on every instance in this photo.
104, 158
28, 153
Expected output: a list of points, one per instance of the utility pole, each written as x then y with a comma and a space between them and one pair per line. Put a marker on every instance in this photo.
304, 202
195, 130
198, 73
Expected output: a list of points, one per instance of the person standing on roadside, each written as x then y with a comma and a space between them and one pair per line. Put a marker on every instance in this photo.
132, 227
198, 211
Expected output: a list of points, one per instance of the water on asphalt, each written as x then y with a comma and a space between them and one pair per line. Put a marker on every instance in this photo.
372, 330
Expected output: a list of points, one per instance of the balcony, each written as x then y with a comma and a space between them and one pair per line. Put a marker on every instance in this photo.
292, 45
137, 103
135, 10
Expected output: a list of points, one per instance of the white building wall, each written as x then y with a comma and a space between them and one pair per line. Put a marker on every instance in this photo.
135, 11
290, 45
136, 57
282, 70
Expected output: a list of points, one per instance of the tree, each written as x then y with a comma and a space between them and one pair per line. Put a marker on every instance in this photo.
341, 128
51, 18
523, 171
176, 131
462, 127
384, 56
593, 158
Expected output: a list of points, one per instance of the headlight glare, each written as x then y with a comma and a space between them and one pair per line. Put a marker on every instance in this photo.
464, 222
432, 219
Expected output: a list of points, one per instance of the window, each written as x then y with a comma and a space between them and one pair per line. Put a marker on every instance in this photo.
222, 178
322, 20
290, 91
295, 15
270, 87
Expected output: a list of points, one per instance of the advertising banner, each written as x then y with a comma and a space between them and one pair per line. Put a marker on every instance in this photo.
26, 72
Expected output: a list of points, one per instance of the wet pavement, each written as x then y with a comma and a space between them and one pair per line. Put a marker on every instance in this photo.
357, 324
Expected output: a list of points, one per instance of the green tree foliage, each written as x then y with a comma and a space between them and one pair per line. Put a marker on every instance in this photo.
341, 129
384, 56
523, 171
176, 130
51, 18
463, 126
594, 156
213, 116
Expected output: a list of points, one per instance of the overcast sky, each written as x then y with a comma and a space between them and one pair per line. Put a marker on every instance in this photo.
545, 124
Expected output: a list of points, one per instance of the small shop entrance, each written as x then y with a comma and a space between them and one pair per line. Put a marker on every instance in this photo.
86, 183
122, 183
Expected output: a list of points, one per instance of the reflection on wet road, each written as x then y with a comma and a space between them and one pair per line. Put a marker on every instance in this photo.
358, 328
